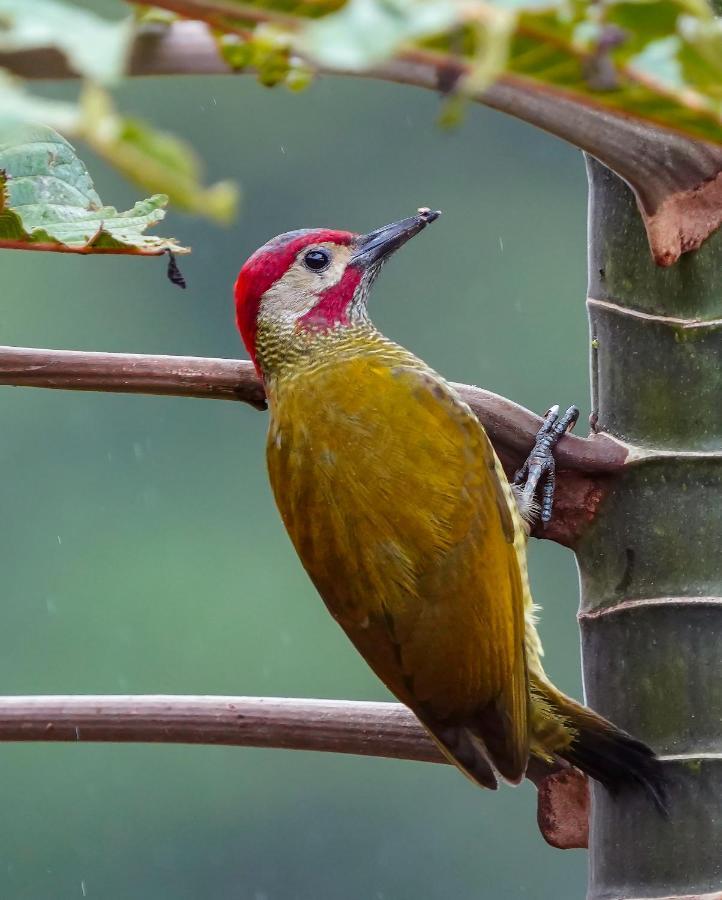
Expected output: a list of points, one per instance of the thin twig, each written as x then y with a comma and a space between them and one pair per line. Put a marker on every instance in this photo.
387, 730
361, 728
130, 373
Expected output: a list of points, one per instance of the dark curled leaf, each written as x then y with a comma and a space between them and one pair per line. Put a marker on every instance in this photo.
174, 273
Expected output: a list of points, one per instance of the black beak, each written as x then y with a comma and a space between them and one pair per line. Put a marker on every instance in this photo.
377, 245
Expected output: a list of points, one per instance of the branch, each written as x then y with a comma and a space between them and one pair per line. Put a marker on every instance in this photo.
585, 463
677, 181
511, 426
387, 730
130, 373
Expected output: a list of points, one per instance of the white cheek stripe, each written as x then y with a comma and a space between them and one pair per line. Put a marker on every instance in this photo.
297, 291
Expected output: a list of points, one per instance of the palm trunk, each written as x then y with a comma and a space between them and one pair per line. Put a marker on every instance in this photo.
651, 563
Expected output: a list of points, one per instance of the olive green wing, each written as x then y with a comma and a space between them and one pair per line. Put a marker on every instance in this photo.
391, 493
473, 609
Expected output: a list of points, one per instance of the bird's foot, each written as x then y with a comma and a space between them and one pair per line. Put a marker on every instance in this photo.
540, 467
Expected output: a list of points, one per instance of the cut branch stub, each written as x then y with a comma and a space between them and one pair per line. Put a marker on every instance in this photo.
563, 804
387, 730
676, 181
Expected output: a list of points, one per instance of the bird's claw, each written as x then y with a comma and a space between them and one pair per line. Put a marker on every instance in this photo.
540, 467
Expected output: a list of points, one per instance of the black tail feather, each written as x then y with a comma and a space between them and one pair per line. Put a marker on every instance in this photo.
618, 761
606, 753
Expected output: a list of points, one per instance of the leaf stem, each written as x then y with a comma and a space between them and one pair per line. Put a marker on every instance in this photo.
86, 250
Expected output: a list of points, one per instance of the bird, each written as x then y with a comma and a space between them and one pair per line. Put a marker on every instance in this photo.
402, 516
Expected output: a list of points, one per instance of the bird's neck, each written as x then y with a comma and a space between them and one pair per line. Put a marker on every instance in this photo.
287, 349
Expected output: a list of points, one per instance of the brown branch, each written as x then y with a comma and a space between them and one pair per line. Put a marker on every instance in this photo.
677, 181
387, 730
130, 373
586, 463
511, 427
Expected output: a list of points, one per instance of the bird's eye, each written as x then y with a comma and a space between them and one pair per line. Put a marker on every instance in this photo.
317, 260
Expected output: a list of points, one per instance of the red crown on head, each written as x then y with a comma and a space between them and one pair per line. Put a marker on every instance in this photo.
264, 268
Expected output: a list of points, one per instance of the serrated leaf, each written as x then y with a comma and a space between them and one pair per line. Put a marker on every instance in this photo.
94, 47
156, 160
97, 48
48, 201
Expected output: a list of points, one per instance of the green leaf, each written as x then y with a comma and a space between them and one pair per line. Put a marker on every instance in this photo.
625, 59
94, 47
48, 202
700, 58
365, 32
18, 106
494, 34
156, 160
97, 48
655, 60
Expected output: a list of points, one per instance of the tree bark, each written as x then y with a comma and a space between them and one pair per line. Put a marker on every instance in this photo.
650, 563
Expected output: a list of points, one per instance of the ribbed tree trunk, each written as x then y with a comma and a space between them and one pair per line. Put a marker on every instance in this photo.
651, 563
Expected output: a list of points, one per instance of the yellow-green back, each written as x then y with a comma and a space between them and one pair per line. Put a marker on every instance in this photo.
390, 491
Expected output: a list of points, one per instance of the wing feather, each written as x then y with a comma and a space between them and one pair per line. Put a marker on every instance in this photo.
389, 488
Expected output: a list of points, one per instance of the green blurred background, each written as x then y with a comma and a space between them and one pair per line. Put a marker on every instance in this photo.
141, 551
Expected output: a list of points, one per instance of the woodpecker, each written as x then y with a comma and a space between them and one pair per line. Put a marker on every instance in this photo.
403, 518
